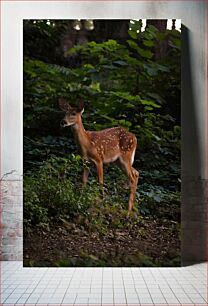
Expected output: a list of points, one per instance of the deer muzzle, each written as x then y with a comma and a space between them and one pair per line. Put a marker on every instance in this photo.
63, 123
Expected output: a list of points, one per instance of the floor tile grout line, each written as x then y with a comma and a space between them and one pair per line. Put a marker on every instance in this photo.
101, 284
182, 287
45, 271
188, 295
169, 288
36, 287
69, 286
135, 286
113, 282
8, 296
201, 294
122, 270
159, 287
146, 287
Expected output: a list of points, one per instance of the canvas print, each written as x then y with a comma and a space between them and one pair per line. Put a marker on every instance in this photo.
102, 142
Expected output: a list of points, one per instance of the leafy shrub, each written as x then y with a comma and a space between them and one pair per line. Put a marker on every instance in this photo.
55, 193
51, 192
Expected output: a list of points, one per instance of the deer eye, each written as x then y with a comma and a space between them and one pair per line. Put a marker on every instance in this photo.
73, 113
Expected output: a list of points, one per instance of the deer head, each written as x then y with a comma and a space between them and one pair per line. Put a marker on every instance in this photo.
73, 114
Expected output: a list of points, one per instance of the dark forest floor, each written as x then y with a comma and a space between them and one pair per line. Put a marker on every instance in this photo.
144, 243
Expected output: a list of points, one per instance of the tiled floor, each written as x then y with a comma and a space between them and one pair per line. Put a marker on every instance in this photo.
103, 286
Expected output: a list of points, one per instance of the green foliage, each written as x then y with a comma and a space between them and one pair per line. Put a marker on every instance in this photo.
51, 194
55, 194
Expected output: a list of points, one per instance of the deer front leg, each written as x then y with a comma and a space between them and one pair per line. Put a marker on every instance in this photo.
85, 175
99, 166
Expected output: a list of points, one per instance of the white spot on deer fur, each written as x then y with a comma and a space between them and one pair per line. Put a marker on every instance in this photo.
132, 157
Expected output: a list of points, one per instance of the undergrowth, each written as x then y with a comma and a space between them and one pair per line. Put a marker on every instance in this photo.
55, 193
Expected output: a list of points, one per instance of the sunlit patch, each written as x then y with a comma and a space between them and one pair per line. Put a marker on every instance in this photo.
171, 23
77, 25
144, 23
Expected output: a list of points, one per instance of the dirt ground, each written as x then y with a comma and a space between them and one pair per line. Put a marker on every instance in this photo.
150, 243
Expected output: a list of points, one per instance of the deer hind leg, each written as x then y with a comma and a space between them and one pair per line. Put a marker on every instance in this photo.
133, 186
99, 166
133, 176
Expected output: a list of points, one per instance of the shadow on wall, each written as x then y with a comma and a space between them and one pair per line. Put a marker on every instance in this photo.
193, 210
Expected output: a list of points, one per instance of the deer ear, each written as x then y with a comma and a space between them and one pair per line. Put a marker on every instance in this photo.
64, 105
81, 107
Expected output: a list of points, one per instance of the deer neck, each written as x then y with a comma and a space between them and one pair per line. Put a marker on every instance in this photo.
80, 135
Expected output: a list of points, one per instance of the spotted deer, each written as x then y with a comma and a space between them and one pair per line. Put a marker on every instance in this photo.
105, 146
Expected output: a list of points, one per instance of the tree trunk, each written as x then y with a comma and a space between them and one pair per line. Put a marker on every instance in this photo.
162, 47
111, 29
